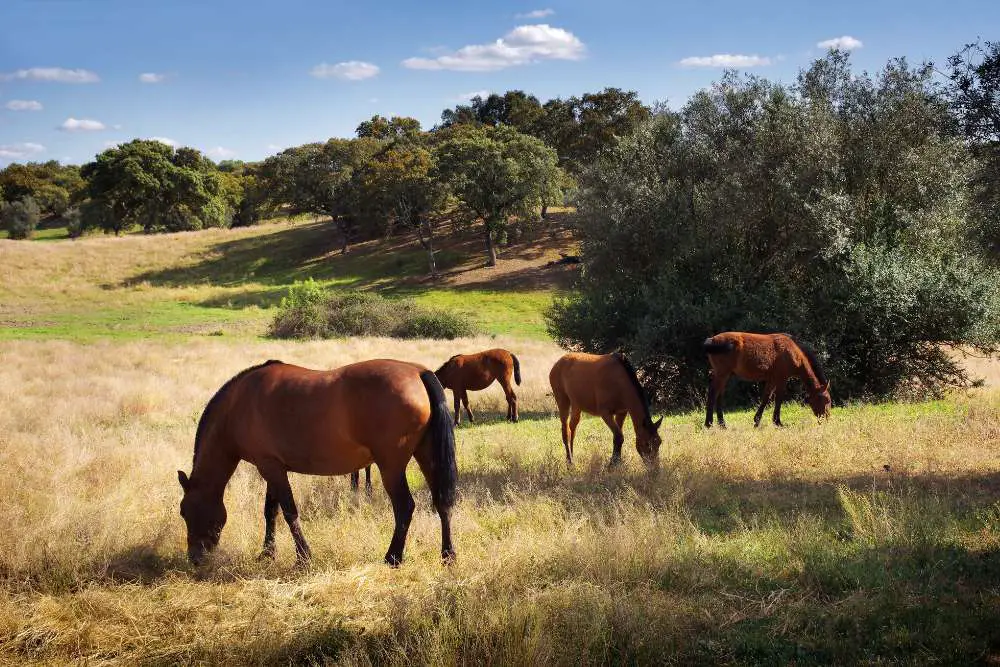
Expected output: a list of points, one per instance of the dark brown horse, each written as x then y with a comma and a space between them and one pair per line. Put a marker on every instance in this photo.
283, 418
605, 386
473, 372
768, 358
356, 480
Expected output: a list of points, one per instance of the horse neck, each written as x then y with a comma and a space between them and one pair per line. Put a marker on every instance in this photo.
637, 411
808, 376
213, 467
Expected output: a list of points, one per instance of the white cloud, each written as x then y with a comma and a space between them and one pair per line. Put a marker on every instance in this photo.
726, 60
352, 70
535, 14
55, 74
275, 148
20, 151
24, 105
845, 43
151, 77
82, 125
523, 45
165, 140
220, 153
466, 97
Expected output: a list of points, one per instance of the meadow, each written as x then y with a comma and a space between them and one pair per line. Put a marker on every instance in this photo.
873, 538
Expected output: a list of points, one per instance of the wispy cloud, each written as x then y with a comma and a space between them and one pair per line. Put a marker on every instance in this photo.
220, 153
738, 61
24, 105
82, 125
844, 43
352, 70
165, 140
523, 45
151, 77
53, 74
535, 14
465, 97
20, 151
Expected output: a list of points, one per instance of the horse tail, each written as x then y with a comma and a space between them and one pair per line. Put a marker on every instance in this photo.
711, 347
517, 369
442, 434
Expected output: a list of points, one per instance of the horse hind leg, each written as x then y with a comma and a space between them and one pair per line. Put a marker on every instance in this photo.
468, 410
402, 511
718, 389
779, 397
769, 389
426, 462
508, 392
574, 421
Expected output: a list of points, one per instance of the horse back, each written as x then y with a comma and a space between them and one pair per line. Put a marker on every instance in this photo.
595, 383
755, 357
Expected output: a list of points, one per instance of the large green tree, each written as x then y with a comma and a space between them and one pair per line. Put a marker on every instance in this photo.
51, 185
148, 184
498, 173
835, 209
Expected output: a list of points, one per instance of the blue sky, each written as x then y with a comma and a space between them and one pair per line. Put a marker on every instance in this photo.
243, 79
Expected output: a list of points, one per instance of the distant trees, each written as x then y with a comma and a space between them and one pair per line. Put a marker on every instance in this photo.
497, 172
836, 209
53, 186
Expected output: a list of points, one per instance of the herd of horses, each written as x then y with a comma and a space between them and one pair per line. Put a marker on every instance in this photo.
283, 418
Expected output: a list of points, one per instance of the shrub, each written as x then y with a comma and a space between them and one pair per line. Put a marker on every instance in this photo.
309, 312
20, 218
835, 210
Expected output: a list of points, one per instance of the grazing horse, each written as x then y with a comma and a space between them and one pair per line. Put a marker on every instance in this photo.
606, 386
465, 372
283, 418
768, 358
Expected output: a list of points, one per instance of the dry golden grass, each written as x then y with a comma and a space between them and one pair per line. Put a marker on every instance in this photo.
748, 546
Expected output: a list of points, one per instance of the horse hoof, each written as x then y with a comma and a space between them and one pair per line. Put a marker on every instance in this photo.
266, 554
393, 560
448, 557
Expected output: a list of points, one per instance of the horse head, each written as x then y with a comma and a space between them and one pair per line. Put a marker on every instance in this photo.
445, 371
820, 401
648, 441
205, 515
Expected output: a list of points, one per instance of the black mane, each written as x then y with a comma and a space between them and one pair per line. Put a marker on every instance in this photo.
647, 419
817, 368
214, 402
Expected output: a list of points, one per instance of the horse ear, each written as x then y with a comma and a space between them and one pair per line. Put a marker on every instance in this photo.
183, 479
656, 424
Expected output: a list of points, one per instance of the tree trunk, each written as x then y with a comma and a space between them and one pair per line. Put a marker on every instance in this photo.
344, 238
426, 236
491, 249
545, 211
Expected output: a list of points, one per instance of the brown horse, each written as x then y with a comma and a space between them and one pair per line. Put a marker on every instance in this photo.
606, 386
768, 358
356, 480
283, 418
473, 372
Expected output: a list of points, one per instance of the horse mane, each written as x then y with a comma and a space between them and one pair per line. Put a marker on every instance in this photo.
451, 359
810, 354
213, 403
635, 383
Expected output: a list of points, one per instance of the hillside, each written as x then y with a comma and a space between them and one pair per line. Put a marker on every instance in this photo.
225, 281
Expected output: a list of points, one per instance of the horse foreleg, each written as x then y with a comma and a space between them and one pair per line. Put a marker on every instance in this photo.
458, 406
511, 397
618, 439
710, 402
779, 396
718, 389
270, 515
277, 481
368, 480
402, 511
764, 400
574, 420
355, 480
468, 410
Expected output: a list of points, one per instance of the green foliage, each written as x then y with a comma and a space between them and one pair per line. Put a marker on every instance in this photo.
498, 172
310, 312
20, 218
385, 129
835, 210
53, 186
147, 183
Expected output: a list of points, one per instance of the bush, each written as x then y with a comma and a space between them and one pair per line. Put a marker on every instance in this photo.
835, 210
20, 218
309, 312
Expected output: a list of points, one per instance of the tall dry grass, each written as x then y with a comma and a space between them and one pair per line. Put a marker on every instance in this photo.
748, 546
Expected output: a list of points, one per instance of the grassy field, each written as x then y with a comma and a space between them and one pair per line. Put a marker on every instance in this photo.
873, 538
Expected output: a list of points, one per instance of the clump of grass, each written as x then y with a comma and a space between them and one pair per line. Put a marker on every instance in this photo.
309, 311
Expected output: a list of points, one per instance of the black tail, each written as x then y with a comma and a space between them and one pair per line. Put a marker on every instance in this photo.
711, 347
445, 481
517, 369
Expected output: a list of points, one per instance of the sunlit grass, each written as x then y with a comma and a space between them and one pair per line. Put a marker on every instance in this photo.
749, 546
